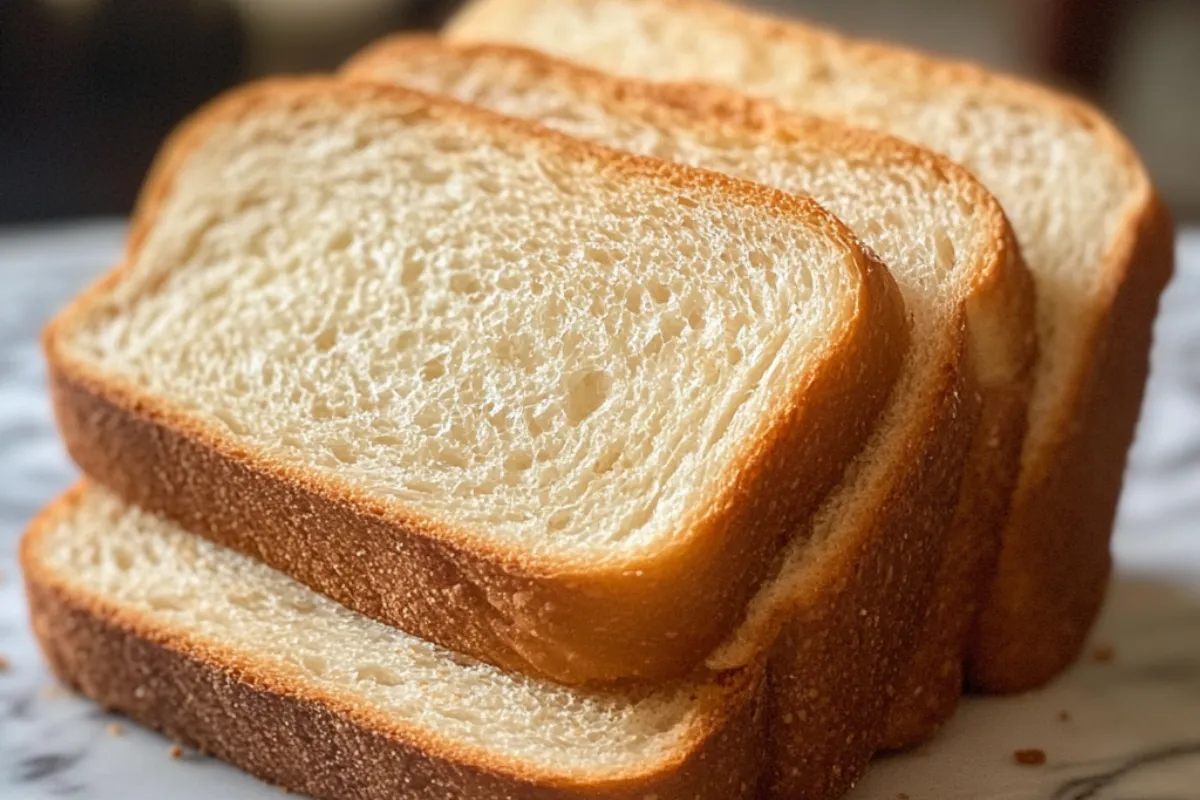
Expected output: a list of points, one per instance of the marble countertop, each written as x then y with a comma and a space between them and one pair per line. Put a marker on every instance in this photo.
1123, 724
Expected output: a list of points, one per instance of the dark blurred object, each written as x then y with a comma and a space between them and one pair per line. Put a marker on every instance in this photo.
1076, 41
86, 101
88, 90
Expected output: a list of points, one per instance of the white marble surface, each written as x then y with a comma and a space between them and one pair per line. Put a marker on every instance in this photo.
1111, 731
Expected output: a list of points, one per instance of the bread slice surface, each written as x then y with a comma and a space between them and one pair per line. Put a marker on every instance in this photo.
526, 397
851, 599
229, 655
1091, 227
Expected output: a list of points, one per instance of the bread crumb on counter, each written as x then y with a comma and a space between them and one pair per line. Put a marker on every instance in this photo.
114, 729
1104, 654
4, 664
1032, 757
176, 752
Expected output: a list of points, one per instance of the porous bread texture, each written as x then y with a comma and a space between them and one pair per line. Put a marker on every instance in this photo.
1091, 228
206, 599
941, 236
1066, 189
866, 613
557, 356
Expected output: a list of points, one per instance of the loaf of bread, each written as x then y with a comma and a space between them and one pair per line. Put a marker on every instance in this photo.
221, 652
548, 404
1094, 234
850, 601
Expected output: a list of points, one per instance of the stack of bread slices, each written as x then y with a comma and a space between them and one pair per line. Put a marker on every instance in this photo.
608, 398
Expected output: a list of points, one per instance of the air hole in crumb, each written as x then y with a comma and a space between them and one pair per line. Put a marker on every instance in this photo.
411, 272
448, 143
327, 338
251, 601
659, 291
377, 674
465, 284
162, 602
314, 664
343, 452
302, 606
633, 299
586, 391
518, 461
230, 421
430, 174
559, 519
598, 256
403, 341
433, 369
670, 325
946, 250
341, 241
387, 440
122, 559
452, 457
606, 460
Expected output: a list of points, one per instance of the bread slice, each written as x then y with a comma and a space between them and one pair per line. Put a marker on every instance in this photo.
1093, 232
847, 605
534, 400
220, 651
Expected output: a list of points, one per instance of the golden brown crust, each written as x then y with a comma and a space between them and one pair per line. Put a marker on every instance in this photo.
1000, 312
1064, 504
1054, 566
845, 654
244, 711
577, 623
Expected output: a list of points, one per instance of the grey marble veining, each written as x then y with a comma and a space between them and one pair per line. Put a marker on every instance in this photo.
1125, 729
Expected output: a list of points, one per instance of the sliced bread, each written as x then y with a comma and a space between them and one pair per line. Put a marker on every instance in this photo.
221, 652
1091, 228
850, 600
544, 403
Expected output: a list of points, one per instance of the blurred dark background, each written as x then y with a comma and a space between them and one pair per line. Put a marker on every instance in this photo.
88, 88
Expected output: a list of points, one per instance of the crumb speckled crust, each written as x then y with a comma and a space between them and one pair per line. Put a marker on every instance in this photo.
872, 639
229, 705
576, 623
1054, 566
845, 655
1054, 561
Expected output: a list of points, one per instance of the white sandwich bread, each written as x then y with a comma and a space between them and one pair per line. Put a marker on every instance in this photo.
535, 400
850, 600
1091, 228
227, 655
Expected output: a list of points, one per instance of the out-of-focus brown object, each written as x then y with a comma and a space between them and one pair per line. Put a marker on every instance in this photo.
1076, 40
89, 88
86, 98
